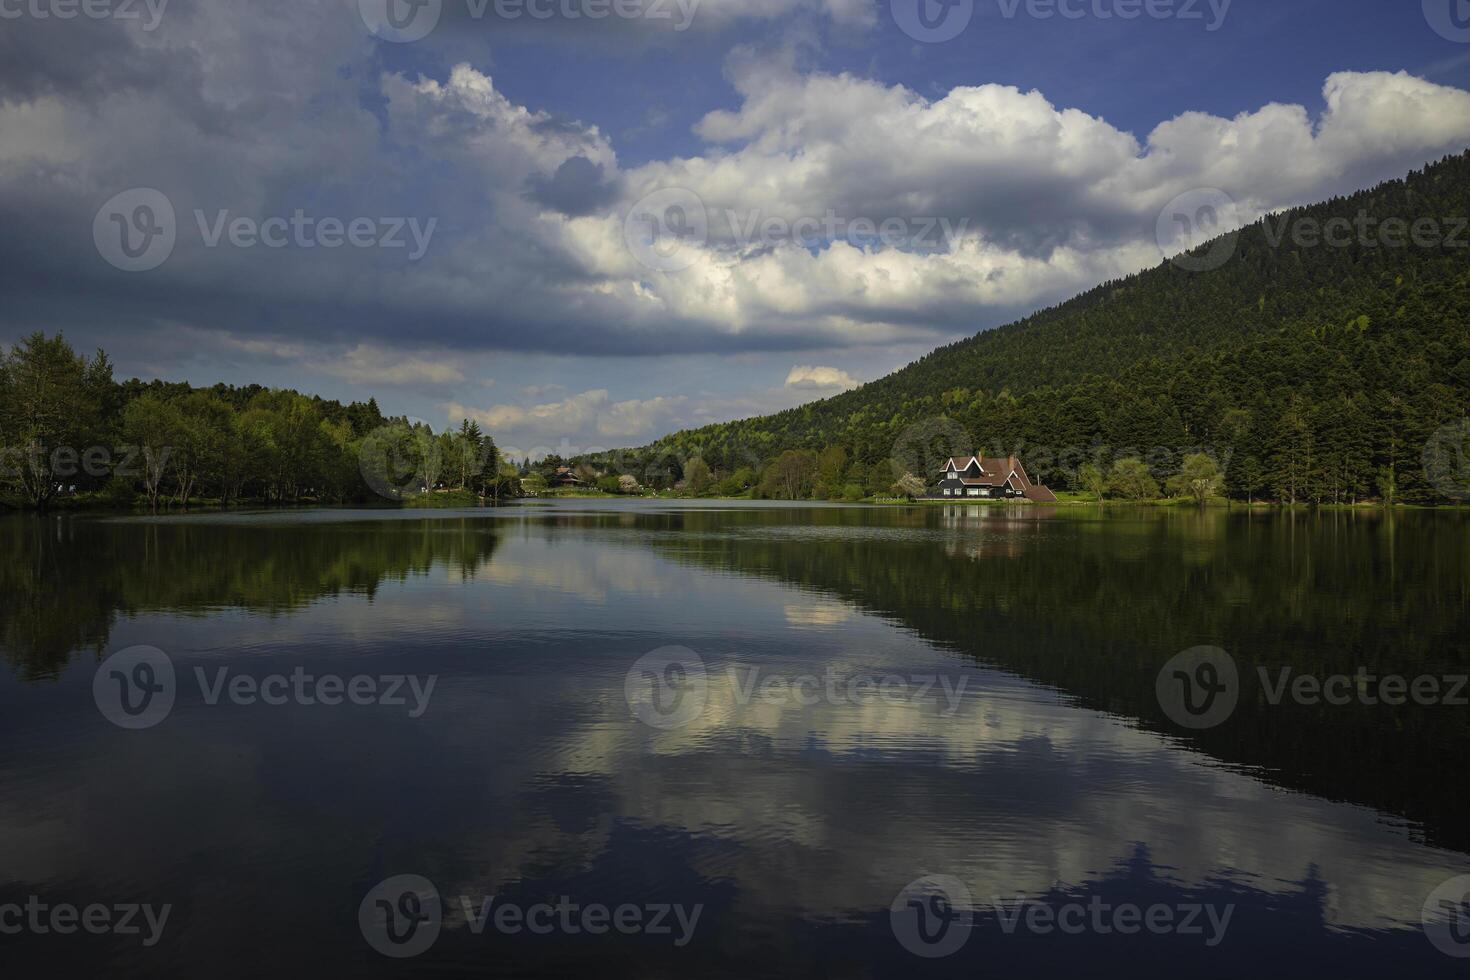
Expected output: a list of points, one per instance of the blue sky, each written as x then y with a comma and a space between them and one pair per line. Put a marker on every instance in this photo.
1020, 161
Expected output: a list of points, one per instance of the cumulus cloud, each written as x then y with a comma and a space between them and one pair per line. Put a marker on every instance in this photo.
379, 366
1051, 200
1004, 200
806, 378
577, 423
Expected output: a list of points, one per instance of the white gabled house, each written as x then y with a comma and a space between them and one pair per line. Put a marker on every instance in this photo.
992, 478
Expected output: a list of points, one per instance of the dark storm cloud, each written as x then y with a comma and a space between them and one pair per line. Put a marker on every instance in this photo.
244, 117
578, 188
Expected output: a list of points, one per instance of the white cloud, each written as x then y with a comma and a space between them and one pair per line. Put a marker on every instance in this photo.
852, 13
1051, 200
582, 421
376, 365
251, 111
637, 417
820, 378
541, 391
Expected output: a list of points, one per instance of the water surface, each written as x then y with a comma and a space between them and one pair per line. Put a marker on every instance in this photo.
1038, 768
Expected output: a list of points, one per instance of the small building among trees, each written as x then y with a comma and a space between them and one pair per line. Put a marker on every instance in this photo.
992, 478
565, 476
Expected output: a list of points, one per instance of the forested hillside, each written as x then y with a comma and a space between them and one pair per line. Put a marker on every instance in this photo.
1313, 371
70, 433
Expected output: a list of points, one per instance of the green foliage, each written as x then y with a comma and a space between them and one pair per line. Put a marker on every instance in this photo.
909, 486
51, 399
1310, 374
736, 483
831, 470
697, 477
1199, 479
67, 429
1092, 479
790, 477
1131, 480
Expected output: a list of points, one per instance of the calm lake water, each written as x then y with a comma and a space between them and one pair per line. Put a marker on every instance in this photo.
677, 740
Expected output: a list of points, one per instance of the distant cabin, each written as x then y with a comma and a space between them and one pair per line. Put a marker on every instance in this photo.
989, 478
564, 477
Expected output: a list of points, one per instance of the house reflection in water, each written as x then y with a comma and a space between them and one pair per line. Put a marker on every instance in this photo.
1005, 522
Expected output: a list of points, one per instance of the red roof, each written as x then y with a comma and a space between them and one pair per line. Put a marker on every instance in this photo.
996, 471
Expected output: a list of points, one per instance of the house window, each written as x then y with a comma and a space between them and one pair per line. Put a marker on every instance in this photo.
974, 493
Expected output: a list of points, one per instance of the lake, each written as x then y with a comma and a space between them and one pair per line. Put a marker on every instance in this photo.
695, 739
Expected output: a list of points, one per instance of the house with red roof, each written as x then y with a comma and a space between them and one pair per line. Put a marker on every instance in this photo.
989, 478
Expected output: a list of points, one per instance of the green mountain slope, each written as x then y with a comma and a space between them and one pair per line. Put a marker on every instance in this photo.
1312, 371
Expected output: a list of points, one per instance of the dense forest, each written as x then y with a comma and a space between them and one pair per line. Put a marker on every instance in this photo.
69, 432
1311, 368
1308, 368
1116, 592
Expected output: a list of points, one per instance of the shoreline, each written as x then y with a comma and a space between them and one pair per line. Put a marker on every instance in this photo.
462, 501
